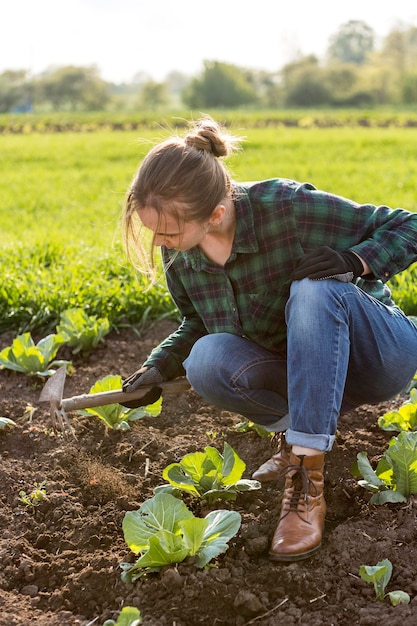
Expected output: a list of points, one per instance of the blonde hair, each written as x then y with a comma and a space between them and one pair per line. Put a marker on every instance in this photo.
180, 171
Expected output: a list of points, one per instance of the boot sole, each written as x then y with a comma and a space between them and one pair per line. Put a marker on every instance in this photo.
290, 558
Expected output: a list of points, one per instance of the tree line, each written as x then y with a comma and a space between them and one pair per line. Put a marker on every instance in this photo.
355, 72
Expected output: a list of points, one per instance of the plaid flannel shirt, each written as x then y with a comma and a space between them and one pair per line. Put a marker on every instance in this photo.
277, 221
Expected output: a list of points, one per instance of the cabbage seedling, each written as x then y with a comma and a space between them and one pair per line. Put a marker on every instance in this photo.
82, 333
403, 419
380, 575
128, 616
35, 497
5, 421
247, 426
163, 531
115, 415
208, 475
34, 360
395, 476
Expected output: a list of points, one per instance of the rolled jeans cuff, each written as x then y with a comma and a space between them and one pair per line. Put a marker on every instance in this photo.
324, 443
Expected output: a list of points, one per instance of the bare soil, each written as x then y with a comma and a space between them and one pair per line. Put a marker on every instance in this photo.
60, 560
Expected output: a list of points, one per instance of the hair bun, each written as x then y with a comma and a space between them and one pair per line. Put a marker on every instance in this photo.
209, 136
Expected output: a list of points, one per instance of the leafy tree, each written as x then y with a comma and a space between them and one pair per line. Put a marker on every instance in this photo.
393, 67
220, 85
378, 80
15, 91
342, 77
400, 49
266, 86
352, 43
303, 83
153, 95
351, 85
409, 88
75, 88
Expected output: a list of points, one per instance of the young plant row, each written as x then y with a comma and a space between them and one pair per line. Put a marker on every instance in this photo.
163, 531
395, 477
210, 476
76, 329
88, 122
207, 475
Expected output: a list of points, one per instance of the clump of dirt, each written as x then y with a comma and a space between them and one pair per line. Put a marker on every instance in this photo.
61, 558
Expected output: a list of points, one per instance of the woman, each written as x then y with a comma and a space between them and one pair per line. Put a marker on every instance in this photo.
286, 316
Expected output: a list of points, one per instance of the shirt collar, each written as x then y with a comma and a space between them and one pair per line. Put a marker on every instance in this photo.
245, 240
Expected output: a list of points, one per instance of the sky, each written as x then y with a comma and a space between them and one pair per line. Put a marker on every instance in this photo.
126, 37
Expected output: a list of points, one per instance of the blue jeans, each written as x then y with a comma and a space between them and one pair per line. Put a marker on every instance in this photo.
344, 349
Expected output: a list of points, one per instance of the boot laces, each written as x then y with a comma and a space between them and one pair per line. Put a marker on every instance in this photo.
303, 486
278, 441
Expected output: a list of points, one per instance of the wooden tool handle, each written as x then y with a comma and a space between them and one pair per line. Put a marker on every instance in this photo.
88, 400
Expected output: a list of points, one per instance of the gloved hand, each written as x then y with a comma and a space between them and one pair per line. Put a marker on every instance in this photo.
149, 398
143, 376
328, 263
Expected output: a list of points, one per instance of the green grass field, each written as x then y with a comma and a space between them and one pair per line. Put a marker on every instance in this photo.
61, 196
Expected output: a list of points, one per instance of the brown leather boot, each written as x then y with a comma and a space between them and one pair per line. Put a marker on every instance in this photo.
272, 468
303, 510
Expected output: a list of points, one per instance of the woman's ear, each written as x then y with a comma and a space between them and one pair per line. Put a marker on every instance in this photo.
217, 215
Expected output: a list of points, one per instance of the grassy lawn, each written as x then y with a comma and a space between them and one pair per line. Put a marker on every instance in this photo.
61, 196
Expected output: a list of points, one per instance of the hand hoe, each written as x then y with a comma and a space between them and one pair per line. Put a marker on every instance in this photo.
53, 392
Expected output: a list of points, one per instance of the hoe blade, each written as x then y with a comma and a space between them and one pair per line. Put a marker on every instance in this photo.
53, 389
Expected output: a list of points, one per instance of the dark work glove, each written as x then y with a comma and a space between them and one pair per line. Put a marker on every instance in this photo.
143, 376
327, 263
149, 398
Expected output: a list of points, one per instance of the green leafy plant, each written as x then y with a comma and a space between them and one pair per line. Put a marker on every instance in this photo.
5, 421
35, 497
115, 415
82, 332
380, 575
33, 359
163, 531
395, 476
128, 616
403, 419
208, 475
247, 426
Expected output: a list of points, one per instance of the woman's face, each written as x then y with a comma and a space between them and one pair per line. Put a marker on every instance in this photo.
172, 233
